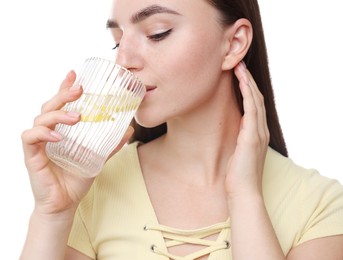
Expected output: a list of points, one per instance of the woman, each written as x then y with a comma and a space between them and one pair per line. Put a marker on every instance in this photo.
206, 175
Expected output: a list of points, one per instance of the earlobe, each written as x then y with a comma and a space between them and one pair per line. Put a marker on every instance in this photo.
238, 41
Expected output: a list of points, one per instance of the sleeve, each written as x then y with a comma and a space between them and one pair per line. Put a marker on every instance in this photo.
322, 208
79, 237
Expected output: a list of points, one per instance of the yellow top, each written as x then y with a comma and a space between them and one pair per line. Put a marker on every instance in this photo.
116, 219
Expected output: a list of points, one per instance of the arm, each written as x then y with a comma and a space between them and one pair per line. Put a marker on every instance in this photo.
47, 236
47, 239
253, 236
57, 194
330, 248
72, 254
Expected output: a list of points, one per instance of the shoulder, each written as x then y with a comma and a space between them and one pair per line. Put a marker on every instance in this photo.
302, 203
119, 172
283, 173
119, 169
123, 161
112, 205
119, 179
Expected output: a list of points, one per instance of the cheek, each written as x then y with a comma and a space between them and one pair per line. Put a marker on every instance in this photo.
196, 62
190, 52
186, 71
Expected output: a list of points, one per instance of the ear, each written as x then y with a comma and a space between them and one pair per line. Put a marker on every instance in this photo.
238, 39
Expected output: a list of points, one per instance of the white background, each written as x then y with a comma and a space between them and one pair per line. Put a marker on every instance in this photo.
42, 40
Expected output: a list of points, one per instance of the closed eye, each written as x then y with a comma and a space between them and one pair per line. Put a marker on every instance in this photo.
160, 36
116, 46
154, 37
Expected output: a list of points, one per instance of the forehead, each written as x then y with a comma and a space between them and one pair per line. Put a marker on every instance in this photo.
123, 10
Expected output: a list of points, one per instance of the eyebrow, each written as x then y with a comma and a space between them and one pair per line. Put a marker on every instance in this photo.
143, 14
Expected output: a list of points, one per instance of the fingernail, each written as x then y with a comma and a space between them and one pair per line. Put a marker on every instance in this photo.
74, 114
69, 75
56, 135
75, 87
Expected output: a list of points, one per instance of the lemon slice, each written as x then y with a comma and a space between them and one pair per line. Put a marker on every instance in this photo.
102, 108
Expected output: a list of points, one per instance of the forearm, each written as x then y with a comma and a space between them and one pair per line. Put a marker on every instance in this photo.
253, 236
47, 237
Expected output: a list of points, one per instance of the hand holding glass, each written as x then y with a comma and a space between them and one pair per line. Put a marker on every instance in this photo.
110, 99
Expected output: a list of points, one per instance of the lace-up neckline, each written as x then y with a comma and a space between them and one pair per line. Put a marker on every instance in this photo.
174, 237
168, 237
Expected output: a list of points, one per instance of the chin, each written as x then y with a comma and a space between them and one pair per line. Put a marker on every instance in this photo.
147, 121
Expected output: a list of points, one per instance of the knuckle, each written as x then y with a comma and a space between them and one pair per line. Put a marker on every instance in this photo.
267, 136
254, 140
44, 106
260, 102
24, 135
36, 120
253, 111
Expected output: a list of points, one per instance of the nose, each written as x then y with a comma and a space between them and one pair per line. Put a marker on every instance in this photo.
129, 54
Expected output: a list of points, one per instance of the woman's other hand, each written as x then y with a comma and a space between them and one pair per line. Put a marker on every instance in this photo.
245, 167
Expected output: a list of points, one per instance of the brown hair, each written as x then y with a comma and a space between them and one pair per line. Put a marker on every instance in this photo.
257, 63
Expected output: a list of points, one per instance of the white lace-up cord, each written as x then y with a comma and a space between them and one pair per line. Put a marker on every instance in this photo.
176, 237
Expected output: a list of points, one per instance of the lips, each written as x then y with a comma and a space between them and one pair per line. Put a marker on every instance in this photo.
150, 88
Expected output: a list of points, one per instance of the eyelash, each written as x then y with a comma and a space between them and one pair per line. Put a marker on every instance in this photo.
116, 46
160, 36
155, 37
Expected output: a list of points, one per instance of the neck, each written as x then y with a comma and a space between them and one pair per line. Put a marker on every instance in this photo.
202, 143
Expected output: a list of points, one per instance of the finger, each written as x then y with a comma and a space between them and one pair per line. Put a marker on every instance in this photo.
34, 138
257, 108
67, 93
39, 134
57, 117
123, 141
69, 80
260, 105
250, 111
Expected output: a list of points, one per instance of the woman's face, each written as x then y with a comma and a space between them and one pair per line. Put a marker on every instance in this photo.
176, 48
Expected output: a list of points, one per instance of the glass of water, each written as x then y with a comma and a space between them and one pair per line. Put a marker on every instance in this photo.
110, 99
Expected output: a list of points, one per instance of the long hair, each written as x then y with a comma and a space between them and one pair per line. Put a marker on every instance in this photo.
257, 63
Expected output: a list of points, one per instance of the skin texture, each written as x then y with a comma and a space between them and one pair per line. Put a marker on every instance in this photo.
188, 73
